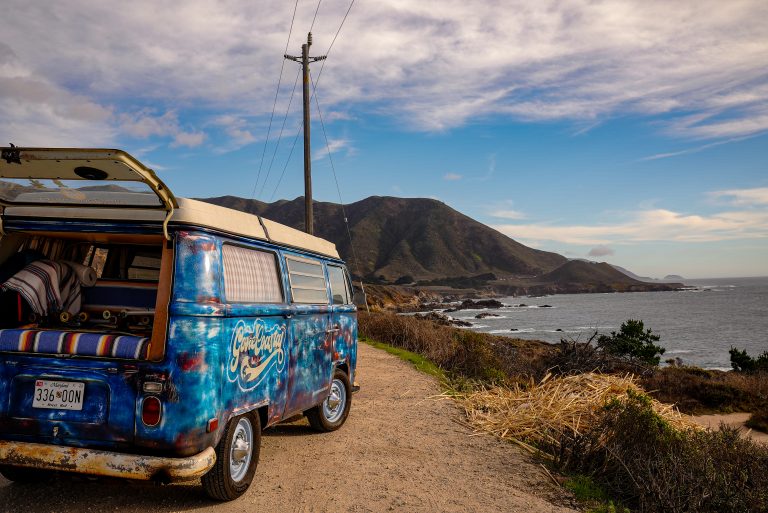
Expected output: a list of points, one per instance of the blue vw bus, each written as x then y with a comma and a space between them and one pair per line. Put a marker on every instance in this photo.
152, 337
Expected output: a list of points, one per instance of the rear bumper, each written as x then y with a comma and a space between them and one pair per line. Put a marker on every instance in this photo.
105, 463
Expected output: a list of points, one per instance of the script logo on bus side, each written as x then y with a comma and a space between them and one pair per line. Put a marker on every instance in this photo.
255, 349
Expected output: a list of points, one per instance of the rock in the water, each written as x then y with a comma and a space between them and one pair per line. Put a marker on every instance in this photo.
470, 304
442, 319
485, 314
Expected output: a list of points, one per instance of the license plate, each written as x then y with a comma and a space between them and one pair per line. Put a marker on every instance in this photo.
60, 395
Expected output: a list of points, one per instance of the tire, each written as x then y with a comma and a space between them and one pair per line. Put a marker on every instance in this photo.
331, 414
237, 455
25, 475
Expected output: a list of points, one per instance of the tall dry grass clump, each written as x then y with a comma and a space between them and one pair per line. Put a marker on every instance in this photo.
642, 451
558, 406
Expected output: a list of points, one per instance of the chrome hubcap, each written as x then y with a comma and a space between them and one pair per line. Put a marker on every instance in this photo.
240, 453
333, 407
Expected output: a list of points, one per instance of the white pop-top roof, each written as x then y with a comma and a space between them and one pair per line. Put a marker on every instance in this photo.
43, 184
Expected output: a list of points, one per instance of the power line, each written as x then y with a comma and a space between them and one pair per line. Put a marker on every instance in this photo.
314, 85
280, 135
314, 18
336, 179
277, 92
333, 41
280, 180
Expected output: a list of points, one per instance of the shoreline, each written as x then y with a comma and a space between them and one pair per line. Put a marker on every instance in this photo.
697, 327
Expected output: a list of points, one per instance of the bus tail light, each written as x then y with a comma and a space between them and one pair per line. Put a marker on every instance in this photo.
151, 411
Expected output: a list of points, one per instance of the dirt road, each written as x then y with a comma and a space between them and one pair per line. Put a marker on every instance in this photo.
401, 450
733, 420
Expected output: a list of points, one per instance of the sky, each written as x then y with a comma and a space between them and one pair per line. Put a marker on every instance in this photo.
632, 132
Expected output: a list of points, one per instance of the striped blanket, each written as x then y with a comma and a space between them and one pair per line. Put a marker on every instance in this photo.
48, 287
65, 342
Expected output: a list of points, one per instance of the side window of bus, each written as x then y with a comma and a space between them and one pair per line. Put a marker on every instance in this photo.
339, 290
307, 281
251, 276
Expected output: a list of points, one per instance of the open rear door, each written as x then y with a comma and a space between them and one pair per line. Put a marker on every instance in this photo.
74, 177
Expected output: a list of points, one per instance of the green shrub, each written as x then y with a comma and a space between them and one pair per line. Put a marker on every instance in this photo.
632, 341
637, 456
742, 362
758, 421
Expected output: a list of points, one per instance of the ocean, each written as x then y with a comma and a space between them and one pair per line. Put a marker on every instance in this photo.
698, 325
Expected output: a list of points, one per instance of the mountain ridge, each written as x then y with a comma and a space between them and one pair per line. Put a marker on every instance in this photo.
412, 240
401, 237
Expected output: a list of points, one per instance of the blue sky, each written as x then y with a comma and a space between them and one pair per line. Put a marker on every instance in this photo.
630, 132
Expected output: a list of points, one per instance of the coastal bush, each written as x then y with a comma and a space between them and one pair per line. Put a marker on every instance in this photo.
699, 391
574, 357
634, 342
638, 457
742, 362
758, 421
466, 354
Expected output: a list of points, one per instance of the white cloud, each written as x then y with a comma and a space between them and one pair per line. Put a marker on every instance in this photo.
434, 65
333, 146
694, 149
742, 197
508, 214
452, 177
650, 225
37, 112
145, 124
237, 129
189, 139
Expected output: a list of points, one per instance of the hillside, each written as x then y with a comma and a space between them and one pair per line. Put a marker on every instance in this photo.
577, 271
403, 237
422, 240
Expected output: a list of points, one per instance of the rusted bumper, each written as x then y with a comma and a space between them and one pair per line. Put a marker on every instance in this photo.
105, 463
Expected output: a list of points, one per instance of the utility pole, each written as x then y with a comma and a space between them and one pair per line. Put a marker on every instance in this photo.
305, 59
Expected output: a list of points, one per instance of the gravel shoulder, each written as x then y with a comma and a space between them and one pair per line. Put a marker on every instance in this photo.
402, 449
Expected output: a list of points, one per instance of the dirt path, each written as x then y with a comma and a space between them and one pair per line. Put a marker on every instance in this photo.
401, 450
731, 419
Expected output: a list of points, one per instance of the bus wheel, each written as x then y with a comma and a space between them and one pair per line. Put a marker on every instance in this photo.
331, 414
237, 455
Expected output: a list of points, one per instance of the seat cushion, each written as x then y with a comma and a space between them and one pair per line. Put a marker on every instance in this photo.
75, 343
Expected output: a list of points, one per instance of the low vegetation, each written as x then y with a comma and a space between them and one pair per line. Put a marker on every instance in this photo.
636, 455
632, 342
463, 354
583, 405
700, 391
742, 362
421, 363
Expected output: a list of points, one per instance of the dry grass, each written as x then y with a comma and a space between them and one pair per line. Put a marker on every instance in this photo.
566, 405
